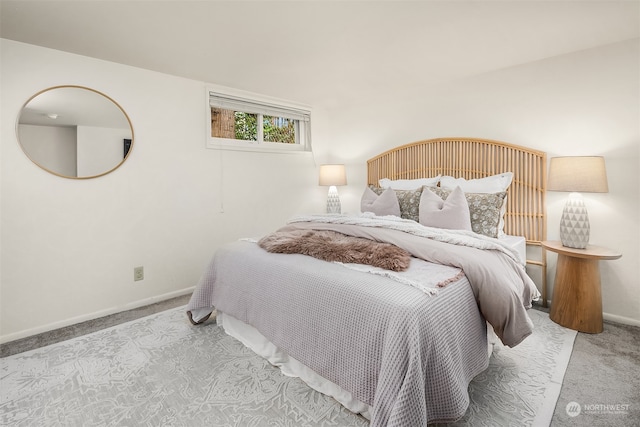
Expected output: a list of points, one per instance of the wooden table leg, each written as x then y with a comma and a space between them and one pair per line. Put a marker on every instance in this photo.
577, 300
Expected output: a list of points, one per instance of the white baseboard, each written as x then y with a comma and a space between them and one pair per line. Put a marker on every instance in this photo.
612, 317
621, 319
90, 316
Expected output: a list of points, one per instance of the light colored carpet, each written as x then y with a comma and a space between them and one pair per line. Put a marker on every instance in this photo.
161, 370
521, 385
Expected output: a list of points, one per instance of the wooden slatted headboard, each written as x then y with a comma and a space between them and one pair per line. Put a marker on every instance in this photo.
471, 158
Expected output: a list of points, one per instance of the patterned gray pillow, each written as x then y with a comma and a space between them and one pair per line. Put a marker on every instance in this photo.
485, 210
409, 201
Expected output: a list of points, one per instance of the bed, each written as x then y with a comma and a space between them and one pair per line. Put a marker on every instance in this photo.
396, 329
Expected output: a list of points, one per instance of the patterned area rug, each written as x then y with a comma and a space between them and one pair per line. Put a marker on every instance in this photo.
160, 370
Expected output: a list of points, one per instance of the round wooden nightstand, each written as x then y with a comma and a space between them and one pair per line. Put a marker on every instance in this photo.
577, 300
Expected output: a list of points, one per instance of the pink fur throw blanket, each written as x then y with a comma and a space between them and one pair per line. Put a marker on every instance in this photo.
336, 247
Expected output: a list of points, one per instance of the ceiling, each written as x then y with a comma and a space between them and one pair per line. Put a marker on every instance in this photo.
320, 52
59, 107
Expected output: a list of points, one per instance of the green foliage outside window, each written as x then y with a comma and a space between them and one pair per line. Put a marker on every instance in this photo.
276, 129
246, 126
279, 129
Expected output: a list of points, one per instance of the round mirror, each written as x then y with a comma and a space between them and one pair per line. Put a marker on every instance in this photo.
74, 132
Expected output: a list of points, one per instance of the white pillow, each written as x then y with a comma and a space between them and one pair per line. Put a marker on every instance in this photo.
408, 184
490, 184
382, 205
452, 213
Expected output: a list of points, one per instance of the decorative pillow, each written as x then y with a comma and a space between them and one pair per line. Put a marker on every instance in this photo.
484, 209
381, 204
409, 201
409, 184
490, 184
452, 213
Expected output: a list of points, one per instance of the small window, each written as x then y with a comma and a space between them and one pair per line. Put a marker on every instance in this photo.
248, 124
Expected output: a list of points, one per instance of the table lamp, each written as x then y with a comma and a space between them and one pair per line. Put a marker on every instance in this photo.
576, 174
332, 176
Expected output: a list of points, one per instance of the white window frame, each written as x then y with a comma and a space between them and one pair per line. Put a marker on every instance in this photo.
252, 103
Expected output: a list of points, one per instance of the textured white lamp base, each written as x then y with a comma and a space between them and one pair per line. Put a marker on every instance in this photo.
574, 225
333, 201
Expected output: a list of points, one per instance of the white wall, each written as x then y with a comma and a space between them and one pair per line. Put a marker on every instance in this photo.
69, 246
586, 103
100, 149
53, 147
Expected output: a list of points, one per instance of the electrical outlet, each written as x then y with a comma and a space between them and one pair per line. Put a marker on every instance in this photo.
138, 273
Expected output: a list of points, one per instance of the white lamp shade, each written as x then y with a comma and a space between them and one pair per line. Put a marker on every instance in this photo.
584, 174
333, 175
